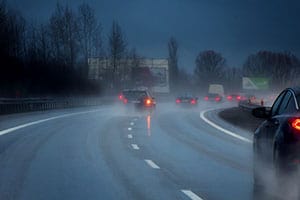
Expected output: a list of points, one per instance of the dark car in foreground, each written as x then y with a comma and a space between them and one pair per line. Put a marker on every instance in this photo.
137, 98
276, 142
186, 100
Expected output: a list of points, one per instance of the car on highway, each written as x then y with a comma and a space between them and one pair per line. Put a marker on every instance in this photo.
237, 97
139, 98
186, 100
276, 142
213, 97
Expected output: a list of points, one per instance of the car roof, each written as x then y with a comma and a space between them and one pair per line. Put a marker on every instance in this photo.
296, 90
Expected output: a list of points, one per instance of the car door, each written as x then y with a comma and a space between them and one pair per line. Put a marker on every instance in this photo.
269, 127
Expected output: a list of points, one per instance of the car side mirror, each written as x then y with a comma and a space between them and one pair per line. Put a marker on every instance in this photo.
261, 112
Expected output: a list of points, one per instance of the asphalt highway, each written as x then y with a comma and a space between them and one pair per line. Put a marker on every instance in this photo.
109, 152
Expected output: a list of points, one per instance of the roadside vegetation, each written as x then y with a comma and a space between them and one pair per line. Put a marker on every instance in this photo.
51, 58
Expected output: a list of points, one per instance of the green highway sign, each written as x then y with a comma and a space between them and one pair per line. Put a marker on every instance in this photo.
255, 83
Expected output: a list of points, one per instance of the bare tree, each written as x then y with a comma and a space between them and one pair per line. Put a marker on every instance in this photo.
280, 68
117, 50
209, 68
173, 62
90, 32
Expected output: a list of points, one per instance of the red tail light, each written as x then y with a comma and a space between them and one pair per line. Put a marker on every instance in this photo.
217, 98
193, 101
229, 98
121, 97
238, 98
178, 101
125, 101
148, 102
295, 123
206, 98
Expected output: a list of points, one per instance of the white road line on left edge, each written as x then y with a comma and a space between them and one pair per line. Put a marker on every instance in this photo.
232, 134
9, 130
191, 195
152, 164
135, 146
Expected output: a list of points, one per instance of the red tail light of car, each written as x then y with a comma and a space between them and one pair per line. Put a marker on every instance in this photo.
238, 98
295, 123
193, 101
206, 98
218, 99
125, 101
121, 97
148, 102
229, 98
178, 101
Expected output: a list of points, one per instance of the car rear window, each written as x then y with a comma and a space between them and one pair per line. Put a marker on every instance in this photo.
130, 95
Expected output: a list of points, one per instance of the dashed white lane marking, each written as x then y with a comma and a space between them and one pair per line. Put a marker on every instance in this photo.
232, 134
135, 146
191, 195
3, 132
135, 119
130, 136
130, 129
131, 123
152, 164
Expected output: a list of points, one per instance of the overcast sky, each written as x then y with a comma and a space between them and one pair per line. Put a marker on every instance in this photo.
235, 28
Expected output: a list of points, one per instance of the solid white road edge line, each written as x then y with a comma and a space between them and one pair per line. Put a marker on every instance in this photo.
152, 164
232, 134
135, 146
191, 195
130, 136
3, 132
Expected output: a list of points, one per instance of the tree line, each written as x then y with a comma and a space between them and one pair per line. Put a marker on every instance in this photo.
282, 69
51, 58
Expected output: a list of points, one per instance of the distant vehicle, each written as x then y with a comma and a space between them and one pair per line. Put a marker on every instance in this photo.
241, 97
139, 98
276, 142
213, 97
216, 89
187, 100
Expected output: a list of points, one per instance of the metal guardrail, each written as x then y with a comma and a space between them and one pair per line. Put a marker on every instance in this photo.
248, 106
8, 106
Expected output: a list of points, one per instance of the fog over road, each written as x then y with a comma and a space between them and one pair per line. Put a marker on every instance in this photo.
108, 152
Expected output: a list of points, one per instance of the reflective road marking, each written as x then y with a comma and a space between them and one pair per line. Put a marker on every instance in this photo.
135, 146
232, 134
152, 164
191, 195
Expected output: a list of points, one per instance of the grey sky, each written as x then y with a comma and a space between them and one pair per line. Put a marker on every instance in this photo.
234, 28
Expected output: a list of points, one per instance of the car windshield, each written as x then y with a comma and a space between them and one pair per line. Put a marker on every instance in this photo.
149, 99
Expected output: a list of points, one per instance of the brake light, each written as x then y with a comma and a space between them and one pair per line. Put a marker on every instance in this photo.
238, 98
217, 98
229, 98
206, 98
125, 101
295, 123
178, 101
193, 101
148, 102
120, 97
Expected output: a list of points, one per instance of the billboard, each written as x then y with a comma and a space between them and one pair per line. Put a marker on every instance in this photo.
255, 83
